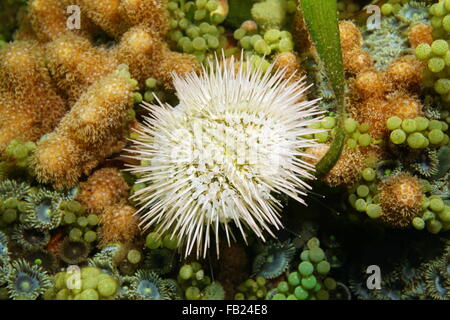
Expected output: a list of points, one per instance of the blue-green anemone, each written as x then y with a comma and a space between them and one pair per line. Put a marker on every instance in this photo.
13, 189
387, 168
413, 12
42, 211
3, 244
436, 275
125, 292
74, 251
5, 269
147, 285
160, 261
47, 260
30, 239
274, 260
103, 263
426, 163
27, 282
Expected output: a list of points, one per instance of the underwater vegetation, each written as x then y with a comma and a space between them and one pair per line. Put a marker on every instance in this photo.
224, 149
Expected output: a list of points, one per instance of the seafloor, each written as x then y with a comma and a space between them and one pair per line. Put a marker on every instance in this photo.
167, 149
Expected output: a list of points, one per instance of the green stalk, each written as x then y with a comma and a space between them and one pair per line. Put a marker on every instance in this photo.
322, 22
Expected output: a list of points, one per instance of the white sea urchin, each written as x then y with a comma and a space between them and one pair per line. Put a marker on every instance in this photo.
234, 142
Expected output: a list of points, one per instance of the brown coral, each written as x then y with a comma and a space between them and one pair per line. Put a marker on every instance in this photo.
118, 223
29, 104
347, 168
400, 198
89, 133
48, 19
103, 188
75, 64
420, 33
290, 62
151, 14
405, 72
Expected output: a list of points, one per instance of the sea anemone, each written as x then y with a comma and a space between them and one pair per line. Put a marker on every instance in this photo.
42, 212
160, 260
3, 244
437, 279
30, 238
401, 199
234, 141
74, 251
13, 189
147, 285
274, 260
5, 268
26, 282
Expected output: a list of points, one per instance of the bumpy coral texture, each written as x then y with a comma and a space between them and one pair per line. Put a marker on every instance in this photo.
29, 103
90, 132
377, 95
118, 223
104, 187
400, 198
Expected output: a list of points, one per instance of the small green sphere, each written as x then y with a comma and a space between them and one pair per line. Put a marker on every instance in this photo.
306, 268
107, 287
294, 279
309, 282
398, 136
316, 255
323, 267
153, 240
186, 272
393, 123
301, 293
89, 294
283, 287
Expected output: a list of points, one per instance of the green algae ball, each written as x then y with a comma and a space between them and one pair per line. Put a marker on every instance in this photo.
134, 256
322, 295
393, 123
436, 204
192, 293
329, 283
283, 287
186, 272
279, 296
305, 268
423, 51
291, 297
170, 242
418, 223
316, 255
89, 294
323, 267
89, 283
309, 282
368, 174
153, 240
294, 279
107, 287
373, 210
398, 136
63, 294
89, 272
301, 293
350, 125
304, 256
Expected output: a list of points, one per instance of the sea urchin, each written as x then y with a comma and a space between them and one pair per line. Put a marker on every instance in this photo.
233, 143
